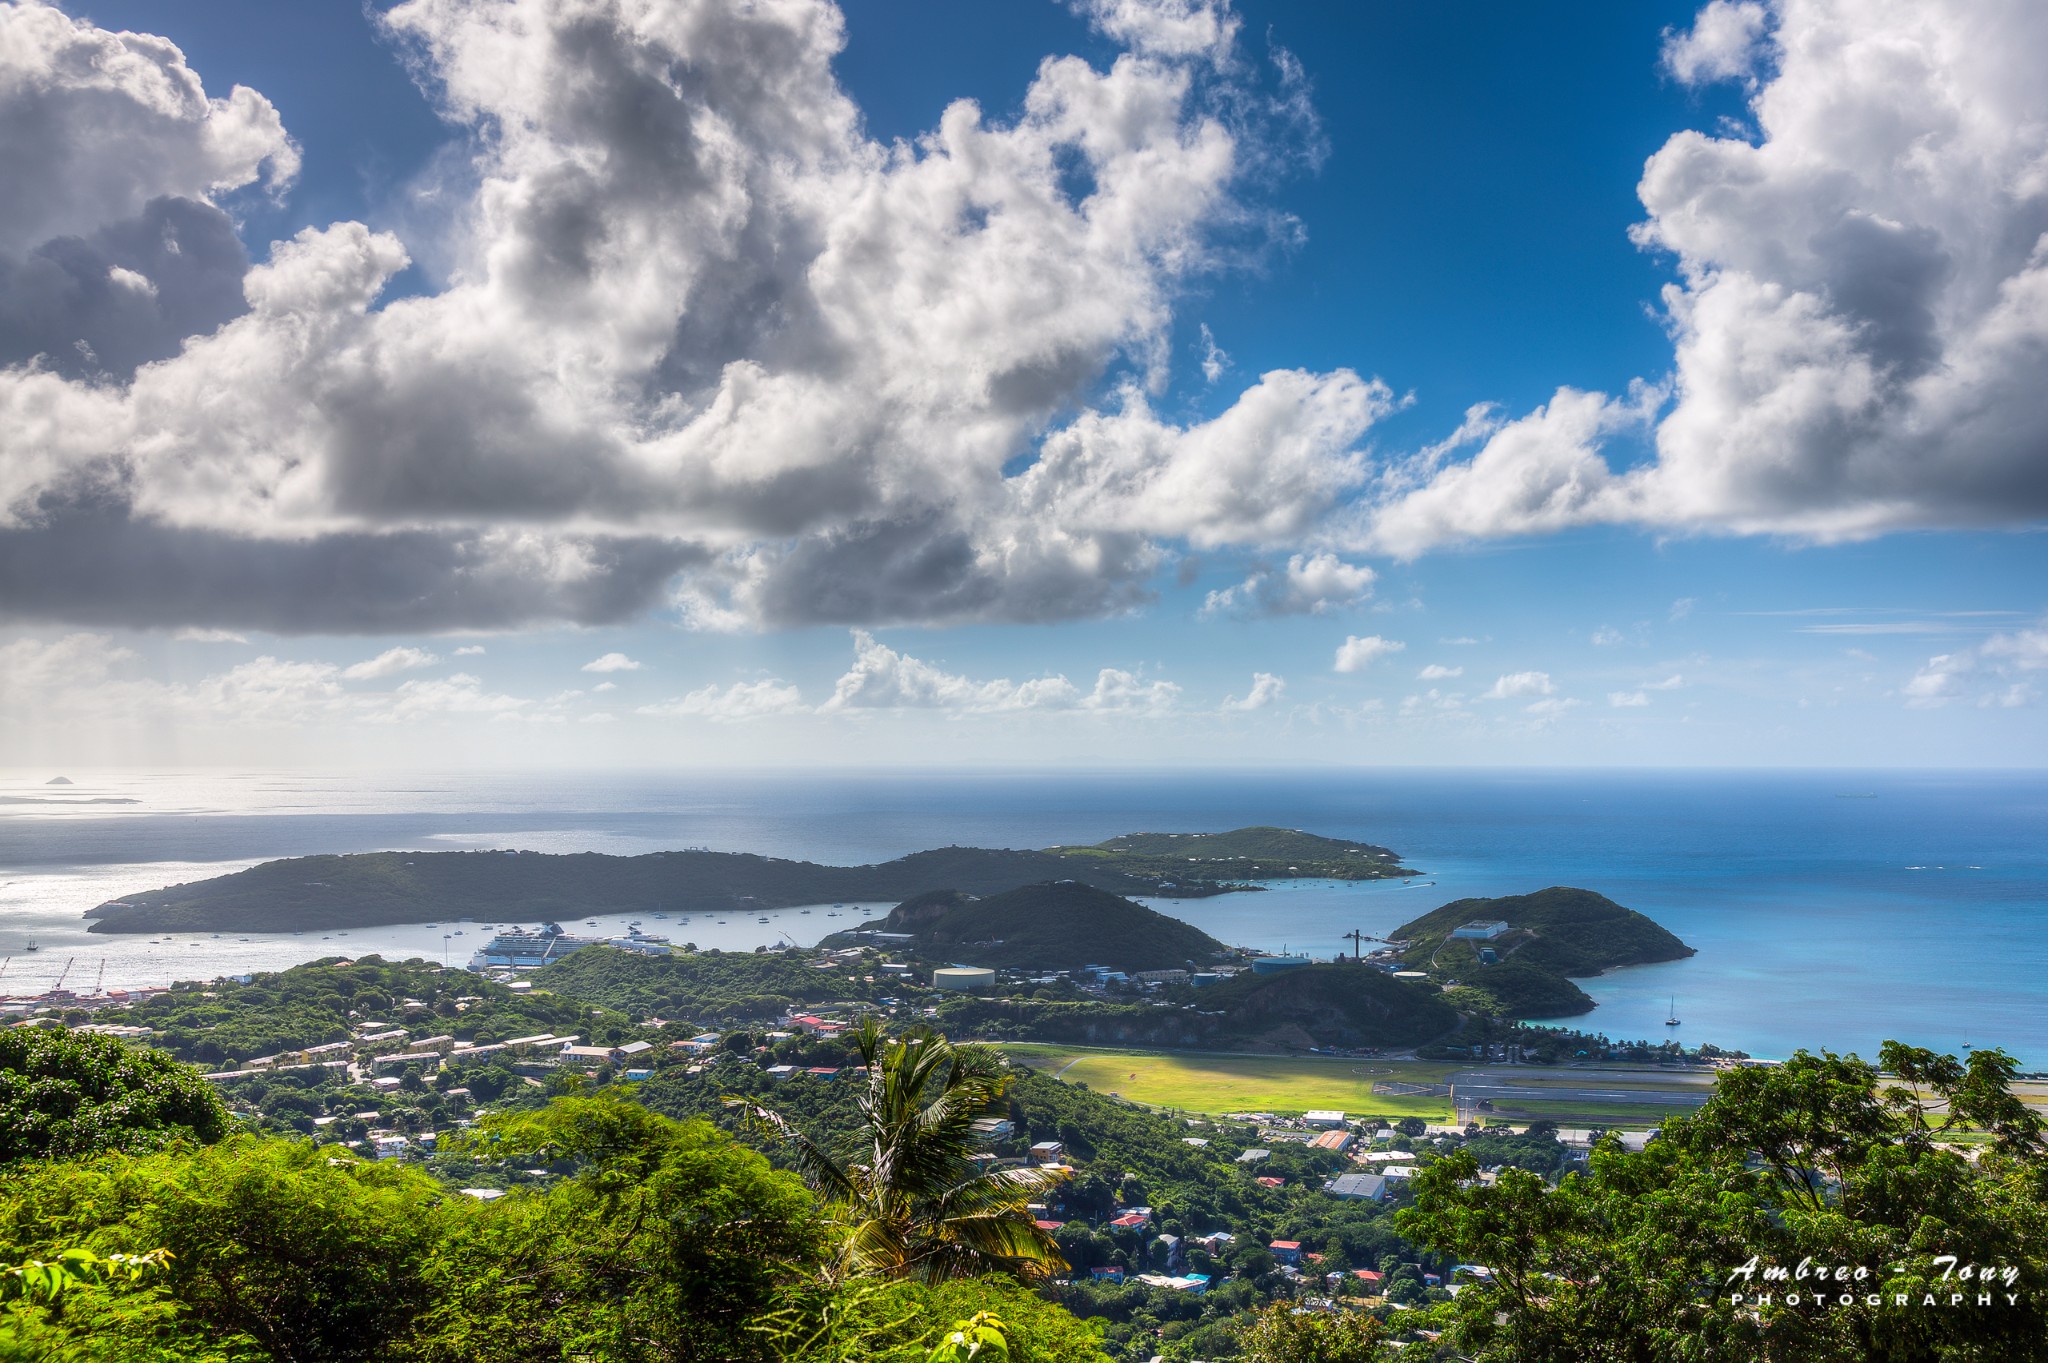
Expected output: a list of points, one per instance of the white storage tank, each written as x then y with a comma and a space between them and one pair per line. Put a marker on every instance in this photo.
963, 977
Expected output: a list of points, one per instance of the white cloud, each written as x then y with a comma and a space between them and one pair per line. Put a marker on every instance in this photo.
1438, 672
740, 701
1627, 700
605, 686
2007, 657
209, 636
1860, 304
470, 651
1266, 688
87, 680
1550, 709
390, 661
1607, 637
1310, 584
1681, 608
1670, 683
1461, 641
1721, 44
1214, 360
698, 323
1357, 652
882, 678
1516, 684
612, 662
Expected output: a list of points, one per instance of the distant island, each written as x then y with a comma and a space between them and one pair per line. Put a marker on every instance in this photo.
1243, 854
1538, 942
373, 888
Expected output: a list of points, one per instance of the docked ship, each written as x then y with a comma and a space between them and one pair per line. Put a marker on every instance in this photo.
523, 950
517, 949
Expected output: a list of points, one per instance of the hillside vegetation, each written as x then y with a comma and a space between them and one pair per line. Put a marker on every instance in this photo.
1315, 1006
1259, 853
409, 887
712, 987
1554, 934
1058, 925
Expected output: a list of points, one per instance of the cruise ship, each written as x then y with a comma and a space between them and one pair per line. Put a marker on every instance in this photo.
521, 950
524, 950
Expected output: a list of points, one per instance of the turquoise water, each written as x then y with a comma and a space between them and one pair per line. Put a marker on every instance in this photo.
1829, 909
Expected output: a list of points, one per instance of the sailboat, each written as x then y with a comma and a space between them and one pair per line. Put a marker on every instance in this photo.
1671, 1020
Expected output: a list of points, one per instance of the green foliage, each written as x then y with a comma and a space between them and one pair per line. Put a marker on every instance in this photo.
496, 887
911, 1202
1059, 925
1347, 1005
1284, 1333
1241, 854
1517, 989
318, 1003
898, 1321
65, 1095
1663, 1254
707, 989
1562, 930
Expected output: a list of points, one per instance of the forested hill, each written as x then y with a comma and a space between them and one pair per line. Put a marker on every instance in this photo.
410, 887
1052, 926
1259, 853
1562, 930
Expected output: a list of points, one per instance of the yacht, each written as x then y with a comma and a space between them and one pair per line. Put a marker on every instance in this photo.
1671, 1019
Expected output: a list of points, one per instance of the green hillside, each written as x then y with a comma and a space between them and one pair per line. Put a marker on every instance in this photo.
1260, 853
1057, 925
1554, 933
410, 887
1312, 1006
1564, 930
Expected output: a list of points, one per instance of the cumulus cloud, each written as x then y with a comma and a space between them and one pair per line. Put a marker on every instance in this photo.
1721, 44
1607, 636
704, 340
1516, 684
1310, 584
1357, 652
1861, 303
1266, 688
1438, 672
740, 701
470, 651
1997, 672
1628, 700
612, 662
389, 661
87, 679
881, 678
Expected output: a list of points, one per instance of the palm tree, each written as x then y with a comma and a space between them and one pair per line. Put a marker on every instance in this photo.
912, 1202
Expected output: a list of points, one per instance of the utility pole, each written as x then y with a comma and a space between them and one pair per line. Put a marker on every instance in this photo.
1356, 938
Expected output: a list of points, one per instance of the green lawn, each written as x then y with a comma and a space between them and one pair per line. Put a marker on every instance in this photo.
1214, 1084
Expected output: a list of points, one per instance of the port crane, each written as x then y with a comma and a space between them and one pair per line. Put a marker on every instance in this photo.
68, 960
101, 978
1357, 939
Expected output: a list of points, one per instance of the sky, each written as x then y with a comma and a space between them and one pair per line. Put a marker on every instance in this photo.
1158, 382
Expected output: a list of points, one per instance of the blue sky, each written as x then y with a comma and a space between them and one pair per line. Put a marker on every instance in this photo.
1759, 482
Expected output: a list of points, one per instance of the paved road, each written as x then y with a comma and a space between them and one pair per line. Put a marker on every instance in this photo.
1510, 1095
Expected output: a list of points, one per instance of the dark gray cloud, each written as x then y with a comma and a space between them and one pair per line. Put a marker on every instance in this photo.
90, 563
100, 306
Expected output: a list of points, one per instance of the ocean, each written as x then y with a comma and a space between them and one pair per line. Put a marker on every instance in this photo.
1829, 909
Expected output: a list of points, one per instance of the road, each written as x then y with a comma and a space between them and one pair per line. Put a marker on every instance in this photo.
1510, 1085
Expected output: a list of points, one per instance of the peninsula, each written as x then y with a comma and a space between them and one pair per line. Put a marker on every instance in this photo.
1519, 952
373, 888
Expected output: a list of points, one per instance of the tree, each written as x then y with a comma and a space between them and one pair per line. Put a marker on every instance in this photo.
912, 1203
1822, 1166
68, 1095
1285, 1333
